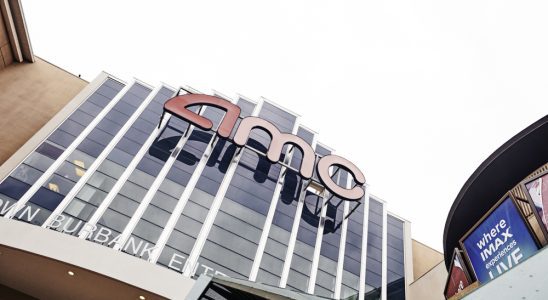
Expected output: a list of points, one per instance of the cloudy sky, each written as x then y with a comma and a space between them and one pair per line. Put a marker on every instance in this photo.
416, 93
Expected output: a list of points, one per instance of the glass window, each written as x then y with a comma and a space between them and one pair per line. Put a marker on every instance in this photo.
26, 174
49, 150
180, 241
141, 178
164, 201
13, 188
102, 97
188, 225
113, 220
46, 198
80, 209
147, 230
62, 138
80, 159
90, 147
120, 157
71, 127
59, 184
90, 108
81, 117
395, 263
91, 195
171, 188
133, 191
101, 181
110, 168
228, 262
124, 205
156, 216
106, 91
272, 265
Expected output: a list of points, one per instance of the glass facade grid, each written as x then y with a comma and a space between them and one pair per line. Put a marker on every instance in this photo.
76, 166
373, 278
254, 173
236, 231
51, 150
395, 261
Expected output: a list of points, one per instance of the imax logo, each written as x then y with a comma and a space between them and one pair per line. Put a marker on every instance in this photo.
178, 106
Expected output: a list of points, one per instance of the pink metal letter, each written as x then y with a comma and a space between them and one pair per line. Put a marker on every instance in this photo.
355, 193
277, 141
178, 105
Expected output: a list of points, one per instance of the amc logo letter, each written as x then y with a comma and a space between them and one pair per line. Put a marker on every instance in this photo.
178, 106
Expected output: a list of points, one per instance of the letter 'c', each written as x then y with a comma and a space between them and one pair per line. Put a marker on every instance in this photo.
177, 106
354, 194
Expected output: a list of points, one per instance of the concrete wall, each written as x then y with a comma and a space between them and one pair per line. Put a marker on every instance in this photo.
430, 286
30, 95
429, 274
6, 56
424, 259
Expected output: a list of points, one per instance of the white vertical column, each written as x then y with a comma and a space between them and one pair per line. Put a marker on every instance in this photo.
271, 211
408, 255
363, 261
293, 237
126, 233
99, 160
384, 251
342, 248
123, 178
191, 263
65, 113
294, 229
318, 245
47, 174
183, 200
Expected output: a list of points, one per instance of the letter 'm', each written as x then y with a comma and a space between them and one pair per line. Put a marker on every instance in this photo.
355, 193
278, 140
178, 106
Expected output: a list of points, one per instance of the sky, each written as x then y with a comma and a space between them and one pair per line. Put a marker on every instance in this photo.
416, 93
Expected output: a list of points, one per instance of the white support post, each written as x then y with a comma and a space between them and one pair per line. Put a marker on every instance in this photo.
99, 160
47, 174
145, 202
318, 246
293, 237
191, 263
408, 255
363, 262
271, 211
384, 252
342, 248
183, 200
294, 230
124, 177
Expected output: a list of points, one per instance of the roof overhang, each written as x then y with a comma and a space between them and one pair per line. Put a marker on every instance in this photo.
499, 173
35, 261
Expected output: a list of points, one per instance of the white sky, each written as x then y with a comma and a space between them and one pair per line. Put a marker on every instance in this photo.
418, 92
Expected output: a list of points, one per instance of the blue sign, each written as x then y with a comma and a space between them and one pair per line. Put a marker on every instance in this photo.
499, 243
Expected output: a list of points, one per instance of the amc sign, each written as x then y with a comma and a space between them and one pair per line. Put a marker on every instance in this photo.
178, 106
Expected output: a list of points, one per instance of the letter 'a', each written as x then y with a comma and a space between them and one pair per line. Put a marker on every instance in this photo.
178, 106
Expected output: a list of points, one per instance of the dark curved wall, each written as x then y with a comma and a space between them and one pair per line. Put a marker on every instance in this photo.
504, 169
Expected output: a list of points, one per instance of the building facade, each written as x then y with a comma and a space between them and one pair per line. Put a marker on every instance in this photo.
496, 230
119, 172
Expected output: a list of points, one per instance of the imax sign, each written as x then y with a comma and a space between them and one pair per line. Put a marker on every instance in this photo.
178, 106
